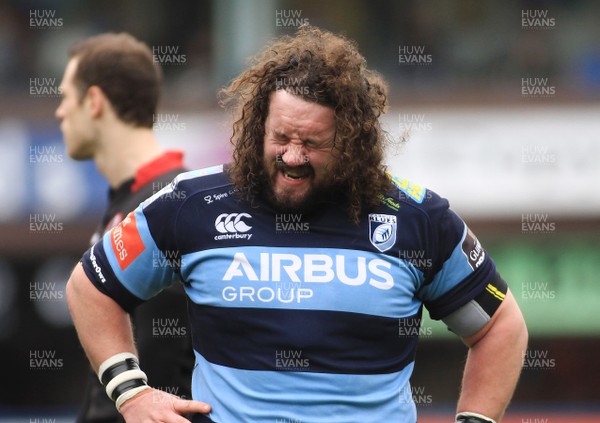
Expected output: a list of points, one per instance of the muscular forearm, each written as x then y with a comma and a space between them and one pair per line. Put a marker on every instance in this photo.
104, 329
494, 363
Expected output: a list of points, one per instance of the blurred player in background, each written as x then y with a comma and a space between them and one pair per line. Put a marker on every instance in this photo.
298, 259
110, 92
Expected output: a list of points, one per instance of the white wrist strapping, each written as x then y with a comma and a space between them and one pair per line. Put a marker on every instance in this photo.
475, 415
129, 394
111, 361
122, 377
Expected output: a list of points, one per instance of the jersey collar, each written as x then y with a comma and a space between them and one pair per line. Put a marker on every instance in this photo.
169, 161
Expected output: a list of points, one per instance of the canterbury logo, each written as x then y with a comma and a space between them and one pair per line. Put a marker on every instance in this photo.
232, 223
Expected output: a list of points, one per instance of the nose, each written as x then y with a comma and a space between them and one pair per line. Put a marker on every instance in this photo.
294, 155
58, 113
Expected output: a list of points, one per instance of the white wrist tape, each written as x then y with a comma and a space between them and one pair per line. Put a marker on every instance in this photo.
111, 361
476, 416
122, 377
128, 395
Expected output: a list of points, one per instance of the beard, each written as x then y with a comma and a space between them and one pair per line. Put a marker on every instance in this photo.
292, 199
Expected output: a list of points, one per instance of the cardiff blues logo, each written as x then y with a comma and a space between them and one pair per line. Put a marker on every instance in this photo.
382, 231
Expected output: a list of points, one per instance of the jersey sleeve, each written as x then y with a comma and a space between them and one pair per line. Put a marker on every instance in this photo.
463, 268
128, 264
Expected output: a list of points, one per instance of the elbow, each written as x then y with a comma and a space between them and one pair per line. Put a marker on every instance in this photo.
517, 326
72, 287
522, 336
79, 292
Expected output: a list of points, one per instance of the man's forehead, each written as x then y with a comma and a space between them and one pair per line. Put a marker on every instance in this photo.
291, 115
70, 71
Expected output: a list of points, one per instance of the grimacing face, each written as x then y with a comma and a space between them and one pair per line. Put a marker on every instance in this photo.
298, 149
76, 123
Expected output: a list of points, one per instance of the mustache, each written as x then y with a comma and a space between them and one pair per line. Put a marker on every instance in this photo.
281, 165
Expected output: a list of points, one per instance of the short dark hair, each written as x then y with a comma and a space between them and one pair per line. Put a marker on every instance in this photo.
327, 69
123, 67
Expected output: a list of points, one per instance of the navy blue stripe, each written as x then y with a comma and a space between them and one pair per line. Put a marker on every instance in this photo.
319, 341
200, 418
112, 287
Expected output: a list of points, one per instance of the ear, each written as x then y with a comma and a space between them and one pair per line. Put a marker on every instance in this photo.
96, 100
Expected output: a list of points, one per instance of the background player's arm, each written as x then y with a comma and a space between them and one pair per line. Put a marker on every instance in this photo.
104, 329
494, 362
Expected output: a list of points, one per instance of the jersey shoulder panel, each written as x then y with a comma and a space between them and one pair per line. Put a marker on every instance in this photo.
187, 190
442, 228
416, 198
191, 183
460, 267
410, 189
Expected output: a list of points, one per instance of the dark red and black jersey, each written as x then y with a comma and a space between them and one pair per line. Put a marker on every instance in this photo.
167, 360
148, 180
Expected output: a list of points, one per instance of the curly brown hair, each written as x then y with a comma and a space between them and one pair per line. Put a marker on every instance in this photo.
327, 69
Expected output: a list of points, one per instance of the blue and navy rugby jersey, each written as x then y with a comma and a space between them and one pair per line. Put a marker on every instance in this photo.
296, 317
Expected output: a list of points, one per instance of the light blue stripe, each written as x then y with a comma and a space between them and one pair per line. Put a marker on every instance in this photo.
302, 278
267, 396
149, 273
205, 171
454, 270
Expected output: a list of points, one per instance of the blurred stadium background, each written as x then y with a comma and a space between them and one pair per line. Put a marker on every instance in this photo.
501, 105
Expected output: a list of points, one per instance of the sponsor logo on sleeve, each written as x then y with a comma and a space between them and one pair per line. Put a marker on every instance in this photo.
390, 202
111, 224
472, 249
96, 267
382, 231
126, 241
412, 190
